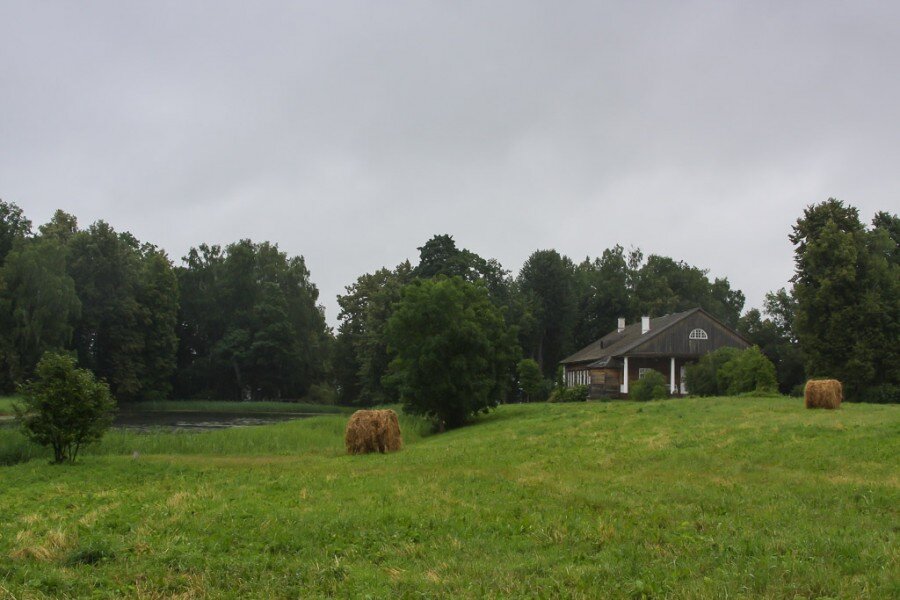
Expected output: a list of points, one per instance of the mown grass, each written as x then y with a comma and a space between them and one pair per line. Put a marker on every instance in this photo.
697, 498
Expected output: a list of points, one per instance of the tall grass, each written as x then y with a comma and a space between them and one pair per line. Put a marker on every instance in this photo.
321, 435
16, 448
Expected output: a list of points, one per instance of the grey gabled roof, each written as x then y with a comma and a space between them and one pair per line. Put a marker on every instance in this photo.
617, 344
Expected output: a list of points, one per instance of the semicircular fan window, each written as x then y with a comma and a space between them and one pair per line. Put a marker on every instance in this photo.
698, 334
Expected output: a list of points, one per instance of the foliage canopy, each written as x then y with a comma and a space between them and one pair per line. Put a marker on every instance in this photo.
847, 293
453, 350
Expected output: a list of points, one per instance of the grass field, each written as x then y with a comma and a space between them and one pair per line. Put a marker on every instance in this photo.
696, 498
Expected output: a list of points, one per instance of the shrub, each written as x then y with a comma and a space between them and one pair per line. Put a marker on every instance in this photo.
747, 371
729, 371
703, 377
64, 407
577, 393
652, 386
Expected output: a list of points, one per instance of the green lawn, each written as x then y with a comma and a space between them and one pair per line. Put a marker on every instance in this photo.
697, 498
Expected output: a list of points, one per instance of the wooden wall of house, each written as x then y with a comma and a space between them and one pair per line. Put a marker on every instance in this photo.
676, 341
606, 376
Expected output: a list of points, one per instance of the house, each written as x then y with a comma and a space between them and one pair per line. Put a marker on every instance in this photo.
665, 344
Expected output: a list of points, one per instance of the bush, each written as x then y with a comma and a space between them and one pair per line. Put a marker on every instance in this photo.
702, 377
729, 371
652, 386
577, 393
64, 407
881, 394
747, 371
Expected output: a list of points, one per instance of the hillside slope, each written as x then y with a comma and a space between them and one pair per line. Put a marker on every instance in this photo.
687, 498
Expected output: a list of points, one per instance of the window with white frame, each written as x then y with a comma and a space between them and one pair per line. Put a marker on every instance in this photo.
698, 334
643, 371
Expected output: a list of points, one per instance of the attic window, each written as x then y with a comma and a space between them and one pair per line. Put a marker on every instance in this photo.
698, 334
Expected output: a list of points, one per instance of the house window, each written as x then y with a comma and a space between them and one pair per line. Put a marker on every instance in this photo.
643, 371
698, 334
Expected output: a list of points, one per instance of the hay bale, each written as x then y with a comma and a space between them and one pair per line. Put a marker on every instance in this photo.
373, 431
823, 393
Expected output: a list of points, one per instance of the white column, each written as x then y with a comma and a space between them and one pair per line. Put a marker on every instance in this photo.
672, 388
625, 379
565, 376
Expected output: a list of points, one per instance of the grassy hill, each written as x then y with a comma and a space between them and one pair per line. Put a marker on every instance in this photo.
697, 498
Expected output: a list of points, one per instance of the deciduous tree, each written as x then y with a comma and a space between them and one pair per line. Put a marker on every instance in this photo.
453, 350
847, 291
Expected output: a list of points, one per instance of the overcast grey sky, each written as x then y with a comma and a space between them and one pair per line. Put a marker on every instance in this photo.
350, 132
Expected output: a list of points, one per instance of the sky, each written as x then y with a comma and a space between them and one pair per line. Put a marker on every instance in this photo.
352, 132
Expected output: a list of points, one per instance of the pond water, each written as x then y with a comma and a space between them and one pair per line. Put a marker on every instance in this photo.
199, 420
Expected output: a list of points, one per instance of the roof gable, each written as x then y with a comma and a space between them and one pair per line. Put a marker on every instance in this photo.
668, 335
616, 343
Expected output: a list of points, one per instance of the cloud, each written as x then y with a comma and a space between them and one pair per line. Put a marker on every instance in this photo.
352, 132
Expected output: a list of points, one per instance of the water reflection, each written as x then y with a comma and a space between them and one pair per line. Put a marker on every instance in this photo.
198, 421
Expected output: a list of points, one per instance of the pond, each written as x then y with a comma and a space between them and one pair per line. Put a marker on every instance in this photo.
199, 420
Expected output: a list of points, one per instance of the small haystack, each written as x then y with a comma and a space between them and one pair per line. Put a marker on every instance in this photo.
373, 431
823, 393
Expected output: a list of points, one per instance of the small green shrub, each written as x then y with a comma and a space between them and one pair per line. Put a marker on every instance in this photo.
729, 372
703, 377
652, 386
64, 407
577, 393
748, 371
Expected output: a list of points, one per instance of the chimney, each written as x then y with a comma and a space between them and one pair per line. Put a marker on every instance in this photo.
645, 325
621, 325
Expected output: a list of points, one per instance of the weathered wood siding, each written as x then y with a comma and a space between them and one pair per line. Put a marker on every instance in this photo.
606, 376
675, 340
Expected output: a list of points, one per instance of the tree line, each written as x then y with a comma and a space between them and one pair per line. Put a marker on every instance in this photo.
237, 322
554, 305
242, 321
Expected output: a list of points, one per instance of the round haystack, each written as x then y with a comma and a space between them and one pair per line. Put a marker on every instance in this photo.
373, 431
823, 393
